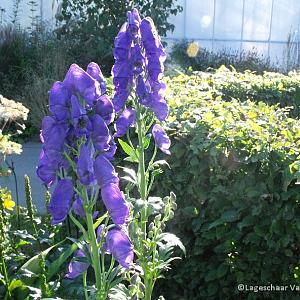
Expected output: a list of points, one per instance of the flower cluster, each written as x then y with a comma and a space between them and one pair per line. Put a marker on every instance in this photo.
139, 66
77, 152
8, 203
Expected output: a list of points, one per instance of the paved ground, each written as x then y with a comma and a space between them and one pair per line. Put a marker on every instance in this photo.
26, 164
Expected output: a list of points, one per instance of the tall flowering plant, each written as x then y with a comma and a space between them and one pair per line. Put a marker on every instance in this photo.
76, 158
139, 102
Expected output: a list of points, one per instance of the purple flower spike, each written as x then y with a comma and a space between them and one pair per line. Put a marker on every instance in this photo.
85, 169
104, 171
79, 81
76, 268
115, 203
61, 201
126, 119
100, 135
161, 139
94, 70
105, 109
59, 97
120, 247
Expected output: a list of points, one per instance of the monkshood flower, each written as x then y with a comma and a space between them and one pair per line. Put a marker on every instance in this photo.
138, 49
80, 111
114, 202
116, 243
76, 268
120, 247
125, 120
61, 200
161, 139
85, 165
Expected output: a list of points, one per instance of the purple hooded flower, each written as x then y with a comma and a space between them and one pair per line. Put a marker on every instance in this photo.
104, 171
115, 203
79, 81
134, 22
94, 70
61, 200
125, 120
85, 165
161, 139
120, 98
152, 96
59, 97
53, 134
110, 153
78, 206
46, 171
100, 135
105, 109
154, 50
120, 247
76, 268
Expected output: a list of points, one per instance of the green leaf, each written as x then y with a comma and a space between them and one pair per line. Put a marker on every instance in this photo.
146, 141
126, 147
55, 265
32, 265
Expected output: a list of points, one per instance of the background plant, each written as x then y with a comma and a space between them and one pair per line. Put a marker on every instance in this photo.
235, 177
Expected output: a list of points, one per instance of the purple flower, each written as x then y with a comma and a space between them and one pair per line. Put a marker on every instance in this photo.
85, 168
120, 98
53, 134
105, 109
152, 96
79, 81
115, 203
61, 200
134, 22
94, 70
120, 246
154, 50
76, 268
100, 135
125, 120
122, 44
78, 206
161, 139
109, 154
58, 101
104, 171
46, 171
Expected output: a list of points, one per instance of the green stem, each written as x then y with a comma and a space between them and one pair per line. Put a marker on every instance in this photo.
148, 280
86, 295
142, 171
94, 254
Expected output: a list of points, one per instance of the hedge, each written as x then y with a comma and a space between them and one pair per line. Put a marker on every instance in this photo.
270, 87
234, 173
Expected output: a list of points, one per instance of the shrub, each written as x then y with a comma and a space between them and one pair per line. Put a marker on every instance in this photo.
199, 59
238, 202
270, 87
